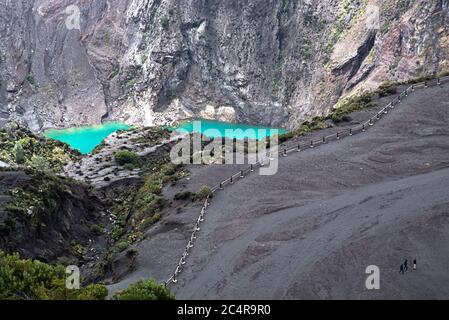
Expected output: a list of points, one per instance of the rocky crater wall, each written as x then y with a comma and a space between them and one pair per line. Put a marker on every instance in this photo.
152, 62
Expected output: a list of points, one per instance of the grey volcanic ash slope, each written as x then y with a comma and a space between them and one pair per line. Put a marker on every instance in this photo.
154, 61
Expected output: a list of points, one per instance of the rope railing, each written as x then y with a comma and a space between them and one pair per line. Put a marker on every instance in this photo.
190, 245
296, 147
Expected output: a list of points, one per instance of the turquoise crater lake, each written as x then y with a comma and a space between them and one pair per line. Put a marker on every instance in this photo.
217, 129
86, 139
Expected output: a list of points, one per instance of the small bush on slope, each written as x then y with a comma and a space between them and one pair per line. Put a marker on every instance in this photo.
204, 193
342, 109
128, 158
145, 290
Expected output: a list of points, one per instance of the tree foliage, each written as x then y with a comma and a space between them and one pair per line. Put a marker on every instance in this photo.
145, 290
33, 279
18, 146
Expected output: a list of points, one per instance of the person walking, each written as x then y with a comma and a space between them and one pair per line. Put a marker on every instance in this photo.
405, 265
401, 270
415, 265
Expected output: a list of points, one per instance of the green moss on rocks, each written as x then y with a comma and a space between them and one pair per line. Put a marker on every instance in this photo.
19, 146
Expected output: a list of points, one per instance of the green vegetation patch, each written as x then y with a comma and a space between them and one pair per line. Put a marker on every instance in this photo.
128, 159
387, 89
426, 78
32, 279
142, 208
18, 146
204, 193
308, 126
37, 280
145, 290
151, 136
340, 114
355, 103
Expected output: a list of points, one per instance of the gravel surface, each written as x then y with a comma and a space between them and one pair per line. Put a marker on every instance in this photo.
310, 231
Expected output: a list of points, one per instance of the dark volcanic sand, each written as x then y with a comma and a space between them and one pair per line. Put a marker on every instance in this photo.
310, 231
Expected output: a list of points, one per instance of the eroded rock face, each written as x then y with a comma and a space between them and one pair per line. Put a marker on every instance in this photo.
47, 76
157, 61
45, 217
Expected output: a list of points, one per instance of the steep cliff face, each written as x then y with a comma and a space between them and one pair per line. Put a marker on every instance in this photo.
273, 62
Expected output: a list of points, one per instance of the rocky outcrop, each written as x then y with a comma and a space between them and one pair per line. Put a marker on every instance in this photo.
50, 79
100, 169
153, 62
408, 41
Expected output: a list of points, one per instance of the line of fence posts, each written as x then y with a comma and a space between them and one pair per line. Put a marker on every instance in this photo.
190, 245
363, 128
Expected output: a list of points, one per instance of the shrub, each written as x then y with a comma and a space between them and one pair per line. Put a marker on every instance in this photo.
128, 159
93, 292
340, 114
150, 188
129, 166
156, 205
30, 78
169, 169
78, 249
132, 253
18, 143
131, 83
351, 104
339, 118
19, 153
114, 73
204, 193
387, 89
121, 246
286, 136
97, 229
145, 290
39, 163
152, 220
165, 22
41, 281
145, 204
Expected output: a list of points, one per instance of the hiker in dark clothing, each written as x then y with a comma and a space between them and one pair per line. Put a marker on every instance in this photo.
415, 264
405, 265
401, 270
